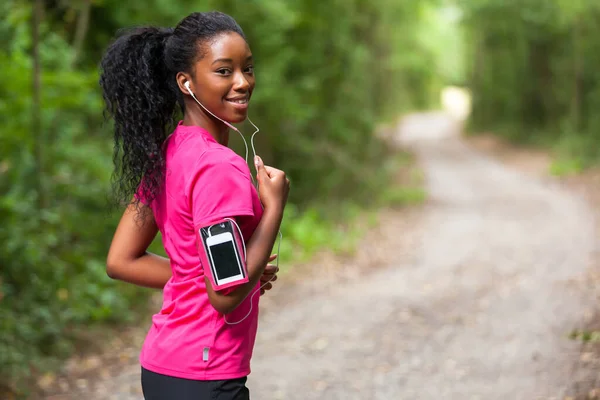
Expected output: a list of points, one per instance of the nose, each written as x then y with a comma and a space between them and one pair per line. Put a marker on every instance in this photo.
241, 83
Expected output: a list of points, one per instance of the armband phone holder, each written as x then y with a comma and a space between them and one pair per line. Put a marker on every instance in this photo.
223, 254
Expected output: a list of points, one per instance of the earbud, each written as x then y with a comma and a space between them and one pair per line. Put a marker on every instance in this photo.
187, 86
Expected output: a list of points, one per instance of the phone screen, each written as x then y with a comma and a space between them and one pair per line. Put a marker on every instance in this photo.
225, 260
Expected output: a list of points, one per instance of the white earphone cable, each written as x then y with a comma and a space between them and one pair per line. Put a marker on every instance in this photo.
187, 86
261, 286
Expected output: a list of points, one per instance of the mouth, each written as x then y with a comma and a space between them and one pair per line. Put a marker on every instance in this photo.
239, 102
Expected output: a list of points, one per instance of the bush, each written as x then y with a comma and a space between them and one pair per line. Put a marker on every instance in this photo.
55, 225
533, 72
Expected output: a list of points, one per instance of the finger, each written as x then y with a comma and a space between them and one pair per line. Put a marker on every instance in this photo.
272, 257
271, 269
261, 171
262, 291
271, 170
267, 282
274, 173
268, 277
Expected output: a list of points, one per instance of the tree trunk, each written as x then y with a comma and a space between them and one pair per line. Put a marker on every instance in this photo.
81, 30
577, 76
36, 123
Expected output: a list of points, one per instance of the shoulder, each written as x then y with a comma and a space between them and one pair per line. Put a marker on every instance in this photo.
221, 166
220, 185
223, 157
195, 151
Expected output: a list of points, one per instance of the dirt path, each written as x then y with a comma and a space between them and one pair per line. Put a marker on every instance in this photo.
479, 308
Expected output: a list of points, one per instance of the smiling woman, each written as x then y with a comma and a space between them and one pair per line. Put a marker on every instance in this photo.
223, 78
179, 178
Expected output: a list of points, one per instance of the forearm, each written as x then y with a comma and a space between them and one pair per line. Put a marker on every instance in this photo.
258, 251
148, 270
128, 259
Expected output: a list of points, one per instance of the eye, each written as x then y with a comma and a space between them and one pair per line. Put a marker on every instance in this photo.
223, 71
249, 69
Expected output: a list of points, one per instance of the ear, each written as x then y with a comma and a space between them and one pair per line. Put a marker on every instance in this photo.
181, 79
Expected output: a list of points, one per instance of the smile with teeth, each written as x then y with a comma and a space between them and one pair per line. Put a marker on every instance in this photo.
238, 101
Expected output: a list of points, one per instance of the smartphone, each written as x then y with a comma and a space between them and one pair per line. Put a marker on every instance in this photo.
224, 258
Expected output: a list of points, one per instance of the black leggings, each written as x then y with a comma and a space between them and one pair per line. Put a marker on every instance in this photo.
162, 387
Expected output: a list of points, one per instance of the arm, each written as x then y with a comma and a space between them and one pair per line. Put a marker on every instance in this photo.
258, 252
128, 259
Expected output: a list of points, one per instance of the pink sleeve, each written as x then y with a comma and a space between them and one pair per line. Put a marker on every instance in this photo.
220, 187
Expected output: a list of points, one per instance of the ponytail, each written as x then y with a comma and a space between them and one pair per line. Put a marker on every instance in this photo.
138, 86
140, 97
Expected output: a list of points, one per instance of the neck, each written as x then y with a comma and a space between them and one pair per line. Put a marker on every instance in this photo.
217, 129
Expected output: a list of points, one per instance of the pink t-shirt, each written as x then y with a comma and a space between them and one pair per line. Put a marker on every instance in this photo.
188, 338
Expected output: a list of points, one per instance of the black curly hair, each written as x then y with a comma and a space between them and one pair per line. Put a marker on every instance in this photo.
141, 94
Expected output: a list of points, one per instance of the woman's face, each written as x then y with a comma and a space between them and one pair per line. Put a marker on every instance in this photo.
223, 79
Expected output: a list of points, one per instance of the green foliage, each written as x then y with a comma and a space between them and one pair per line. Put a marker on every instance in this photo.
55, 237
306, 233
565, 167
400, 195
585, 336
327, 72
315, 229
572, 154
533, 72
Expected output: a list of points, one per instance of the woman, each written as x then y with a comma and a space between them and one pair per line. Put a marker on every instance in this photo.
181, 180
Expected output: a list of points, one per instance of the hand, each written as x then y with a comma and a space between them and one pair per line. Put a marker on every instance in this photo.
269, 275
273, 186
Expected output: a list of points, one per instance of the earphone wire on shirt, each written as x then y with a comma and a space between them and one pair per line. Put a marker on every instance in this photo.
263, 285
232, 220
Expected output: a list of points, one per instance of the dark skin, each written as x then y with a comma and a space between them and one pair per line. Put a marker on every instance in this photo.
226, 72
222, 80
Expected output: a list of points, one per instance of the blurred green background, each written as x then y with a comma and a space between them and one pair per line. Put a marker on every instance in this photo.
329, 73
